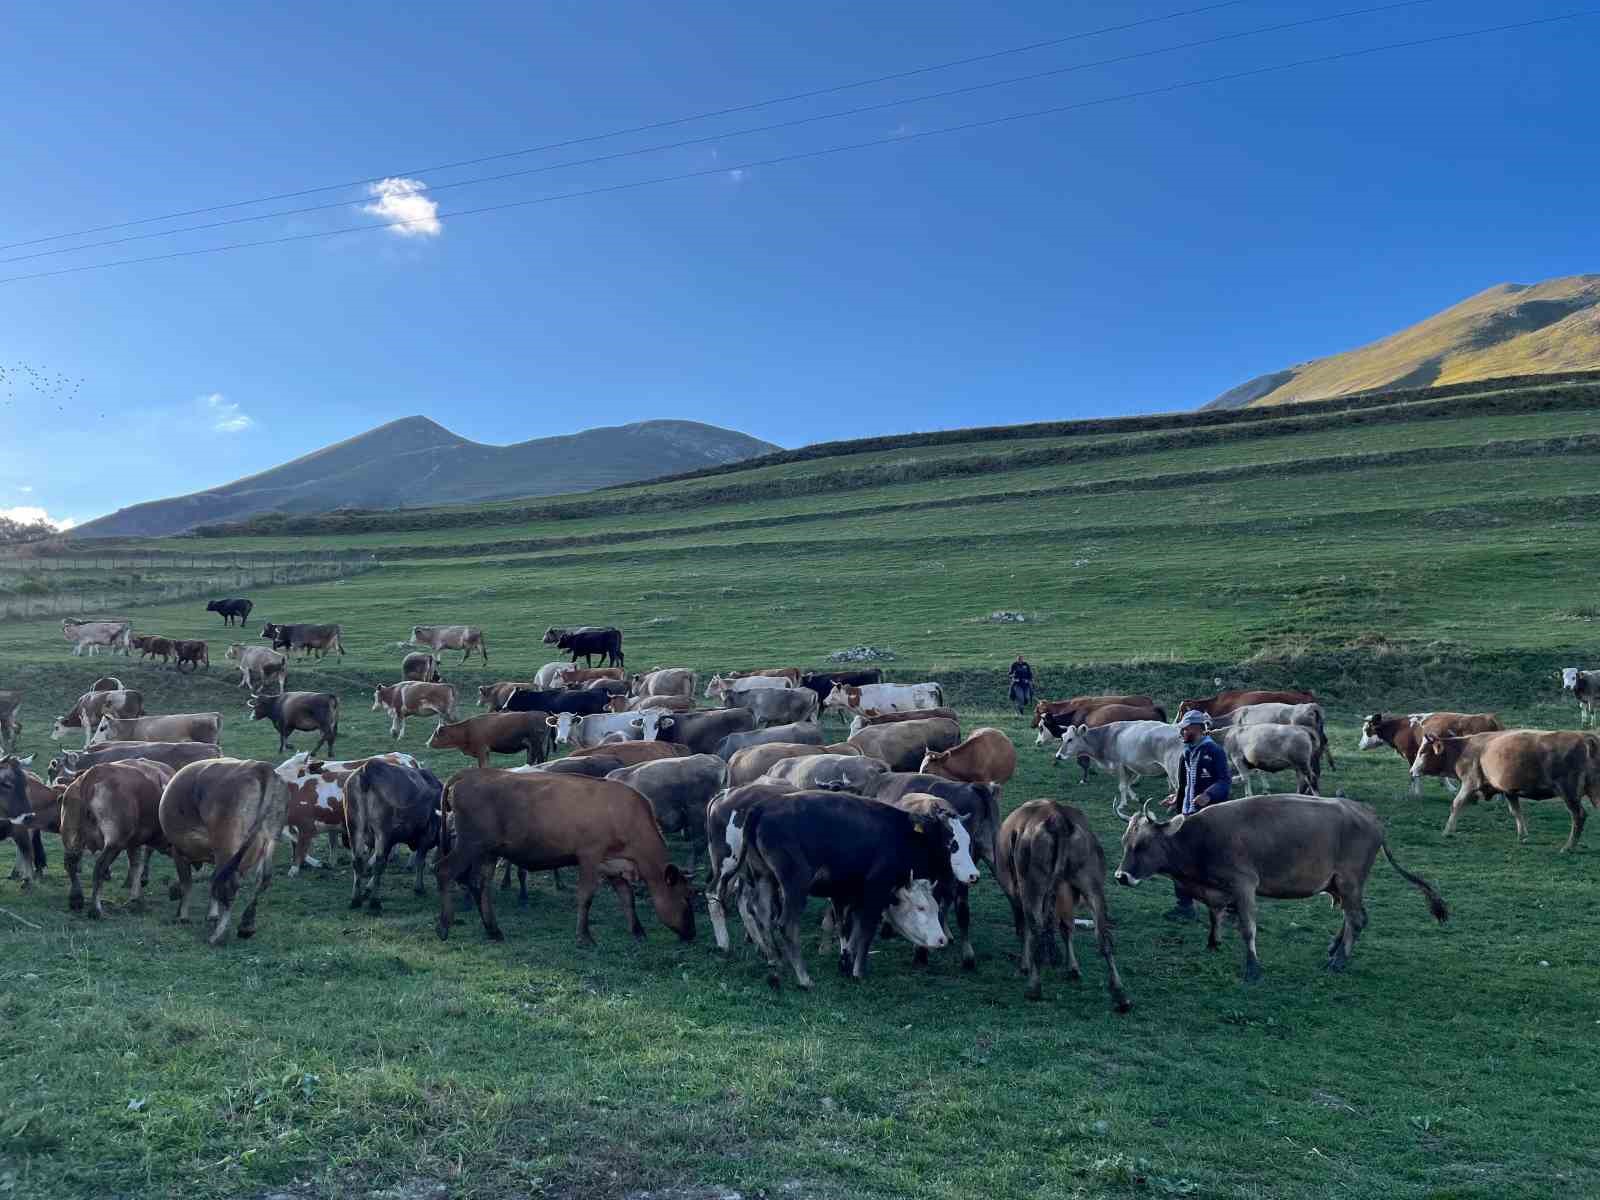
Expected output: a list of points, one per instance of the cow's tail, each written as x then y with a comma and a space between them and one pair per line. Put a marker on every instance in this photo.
483, 648
938, 695
274, 796
1322, 735
1161, 714
39, 862
338, 640
1436, 904
444, 819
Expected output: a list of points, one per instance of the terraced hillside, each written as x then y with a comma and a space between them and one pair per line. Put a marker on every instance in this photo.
1408, 552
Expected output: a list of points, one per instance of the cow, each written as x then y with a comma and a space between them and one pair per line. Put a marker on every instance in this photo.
952, 893
492, 695
786, 706
193, 652
566, 700
305, 638
226, 812
150, 645
597, 729
495, 733
668, 681
884, 697
604, 641
91, 706
571, 676
829, 772
1404, 735
175, 727
1223, 703
854, 852
420, 667
822, 682
1275, 712
23, 793
978, 804
546, 676
1052, 724
1585, 689
465, 638
1280, 847
91, 635
675, 704
904, 744
1129, 749
985, 756
614, 689
723, 853
1068, 712
1269, 748
10, 722
231, 610
299, 712
389, 804
317, 800
873, 717
803, 732
1048, 860
405, 700
544, 822
68, 765
1518, 764
257, 665
106, 683
631, 754
792, 674
702, 731
678, 790
732, 693
751, 763
112, 809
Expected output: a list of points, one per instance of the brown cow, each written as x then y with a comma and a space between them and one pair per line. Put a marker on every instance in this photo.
544, 822
227, 812
299, 712
109, 809
26, 798
873, 716
493, 695
1517, 764
150, 645
1224, 703
572, 676
1065, 709
633, 753
69, 764
421, 667
675, 704
751, 763
903, 744
194, 653
410, 699
305, 638
496, 733
1049, 859
1404, 735
985, 756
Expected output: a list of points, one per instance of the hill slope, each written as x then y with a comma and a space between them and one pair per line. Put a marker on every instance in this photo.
414, 461
1511, 329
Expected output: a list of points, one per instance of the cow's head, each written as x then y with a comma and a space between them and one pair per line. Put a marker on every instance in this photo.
62, 764
617, 704
418, 631
214, 606
446, 737
102, 732
1145, 845
1370, 737
553, 635
1045, 735
232, 652
914, 913
1431, 755
296, 768
562, 723
718, 687
1038, 715
674, 902
650, 722
1073, 738
262, 707
958, 843
1569, 679
1185, 705
839, 697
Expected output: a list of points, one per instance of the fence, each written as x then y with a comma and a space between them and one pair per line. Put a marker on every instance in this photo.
87, 601
69, 557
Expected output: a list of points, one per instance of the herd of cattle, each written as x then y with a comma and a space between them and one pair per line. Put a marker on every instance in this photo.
888, 823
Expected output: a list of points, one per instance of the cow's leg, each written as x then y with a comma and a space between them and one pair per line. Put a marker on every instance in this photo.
1575, 807
789, 936
505, 881
73, 860
141, 877
358, 873
333, 846
419, 859
1213, 935
303, 837
375, 867
1514, 807
1066, 905
458, 862
223, 893
491, 925
102, 873
588, 881
832, 925
247, 922
625, 895
969, 957
1032, 949
1464, 796
1244, 904
183, 888
867, 918
397, 726
1096, 896
522, 887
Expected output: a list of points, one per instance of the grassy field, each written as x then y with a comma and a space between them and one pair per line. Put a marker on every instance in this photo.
341, 1054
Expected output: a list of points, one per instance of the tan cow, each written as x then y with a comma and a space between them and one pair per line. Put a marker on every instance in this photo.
465, 638
573, 676
405, 700
902, 745
176, 727
109, 809
91, 706
1518, 764
492, 695
92, 635
257, 665
668, 681
986, 756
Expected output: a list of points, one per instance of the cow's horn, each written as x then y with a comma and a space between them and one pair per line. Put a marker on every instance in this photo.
1121, 810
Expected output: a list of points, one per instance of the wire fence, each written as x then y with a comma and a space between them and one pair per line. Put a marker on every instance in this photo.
68, 557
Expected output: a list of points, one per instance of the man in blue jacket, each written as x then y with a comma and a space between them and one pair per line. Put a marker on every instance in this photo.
1204, 778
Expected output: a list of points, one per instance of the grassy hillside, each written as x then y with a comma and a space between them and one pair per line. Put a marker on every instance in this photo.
1510, 329
1417, 558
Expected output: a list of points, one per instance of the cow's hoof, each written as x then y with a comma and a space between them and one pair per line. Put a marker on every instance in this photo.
355, 901
1253, 973
442, 928
1337, 965
586, 942
1074, 975
1034, 992
1121, 1004
774, 982
638, 933
75, 903
375, 905
245, 934
495, 935
95, 912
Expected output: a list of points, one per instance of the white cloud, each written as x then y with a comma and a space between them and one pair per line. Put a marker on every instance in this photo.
29, 513
403, 201
27, 487
737, 174
225, 414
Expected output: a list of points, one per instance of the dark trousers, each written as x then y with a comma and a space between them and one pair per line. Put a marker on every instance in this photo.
1021, 695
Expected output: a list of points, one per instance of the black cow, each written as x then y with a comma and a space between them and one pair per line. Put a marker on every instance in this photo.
230, 609
15, 802
299, 712
557, 700
821, 682
387, 805
856, 852
604, 641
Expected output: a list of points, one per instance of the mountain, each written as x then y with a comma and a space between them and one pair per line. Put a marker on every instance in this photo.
415, 462
1512, 329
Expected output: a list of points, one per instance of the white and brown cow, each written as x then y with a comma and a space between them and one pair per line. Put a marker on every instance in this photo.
92, 635
884, 697
465, 638
91, 706
404, 700
316, 800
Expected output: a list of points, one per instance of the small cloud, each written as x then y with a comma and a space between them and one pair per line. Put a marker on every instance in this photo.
402, 203
737, 174
28, 514
27, 487
225, 414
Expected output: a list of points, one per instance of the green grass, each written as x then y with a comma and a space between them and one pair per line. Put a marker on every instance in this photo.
342, 1054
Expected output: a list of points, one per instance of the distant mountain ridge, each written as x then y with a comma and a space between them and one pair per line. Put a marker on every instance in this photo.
1510, 329
416, 462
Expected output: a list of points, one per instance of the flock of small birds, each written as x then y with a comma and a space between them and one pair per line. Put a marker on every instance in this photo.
25, 380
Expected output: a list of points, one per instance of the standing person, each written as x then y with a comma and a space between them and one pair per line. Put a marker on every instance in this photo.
1204, 778
1021, 684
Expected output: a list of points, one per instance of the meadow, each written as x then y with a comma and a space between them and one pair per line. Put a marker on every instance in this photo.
342, 1054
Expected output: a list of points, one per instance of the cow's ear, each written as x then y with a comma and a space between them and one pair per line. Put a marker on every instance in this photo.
674, 875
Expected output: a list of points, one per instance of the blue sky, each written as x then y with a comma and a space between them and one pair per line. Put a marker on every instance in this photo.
1128, 257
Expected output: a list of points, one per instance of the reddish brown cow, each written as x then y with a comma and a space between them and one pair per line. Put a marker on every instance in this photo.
150, 645
1224, 703
1405, 734
493, 695
1518, 764
676, 704
194, 653
873, 716
634, 753
985, 756
408, 699
496, 733
112, 808
583, 676
1065, 709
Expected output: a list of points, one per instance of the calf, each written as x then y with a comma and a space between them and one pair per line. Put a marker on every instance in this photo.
403, 701
91, 706
1271, 748
604, 641
1585, 689
904, 744
150, 645
389, 804
299, 712
724, 847
543, 822
1309, 716
495, 733
1280, 847
422, 667
1048, 859
175, 727
1517, 764
108, 810
231, 610
986, 756
258, 665
668, 681
226, 812
92, 635
678, 790
193, 653
465, 638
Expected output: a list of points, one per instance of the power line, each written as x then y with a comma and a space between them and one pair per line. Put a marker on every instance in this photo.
649, 126
768, 128
800, 156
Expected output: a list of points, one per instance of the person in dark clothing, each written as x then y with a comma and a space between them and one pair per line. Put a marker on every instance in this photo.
1021, 684
1204, 778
